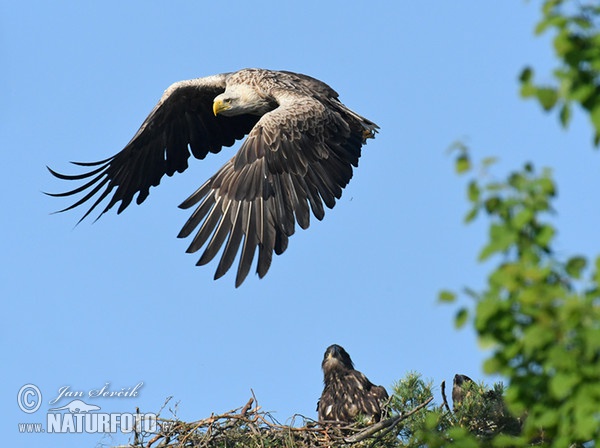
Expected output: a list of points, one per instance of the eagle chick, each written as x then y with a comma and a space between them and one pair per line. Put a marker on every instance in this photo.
348, 393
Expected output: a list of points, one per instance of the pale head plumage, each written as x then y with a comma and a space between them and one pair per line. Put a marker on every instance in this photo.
241, 99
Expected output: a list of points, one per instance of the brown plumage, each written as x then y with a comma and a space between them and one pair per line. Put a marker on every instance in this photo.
347, 393
459, 387
301, 145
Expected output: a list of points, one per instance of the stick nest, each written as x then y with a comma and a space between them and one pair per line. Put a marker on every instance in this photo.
249, 426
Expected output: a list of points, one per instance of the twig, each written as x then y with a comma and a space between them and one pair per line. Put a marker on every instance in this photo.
136, 434
446, 405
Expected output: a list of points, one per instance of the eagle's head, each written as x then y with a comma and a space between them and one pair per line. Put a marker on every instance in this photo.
458, 389
460, 379
241, 99
336, 358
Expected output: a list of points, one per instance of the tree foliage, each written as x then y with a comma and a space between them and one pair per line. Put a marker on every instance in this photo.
577, 47
540, 313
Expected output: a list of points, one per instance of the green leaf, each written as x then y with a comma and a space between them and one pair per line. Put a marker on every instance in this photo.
463, 164
528, 90
565, 115
509, 441
526, 75
461, 318
575, 266
491, 366
564, 43
522, 218
548, 418
551, 20
472, 214
544, 236
492, 204
446, 296
547, 185
488, 162
595, 116
488, 310
501, 238
536, 337
462, 438
596, 274
561, 384
473, 191
582, 92
487, 252
431, 421
547, 97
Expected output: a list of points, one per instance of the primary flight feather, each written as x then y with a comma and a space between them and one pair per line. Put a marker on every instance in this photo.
301, 145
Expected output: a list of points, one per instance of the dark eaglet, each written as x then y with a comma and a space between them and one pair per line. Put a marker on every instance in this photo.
301, 144
348, 393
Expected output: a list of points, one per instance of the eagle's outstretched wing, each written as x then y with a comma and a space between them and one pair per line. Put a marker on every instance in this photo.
182, 120
297, 158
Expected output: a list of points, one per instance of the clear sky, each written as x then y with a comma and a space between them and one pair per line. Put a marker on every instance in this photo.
120, 302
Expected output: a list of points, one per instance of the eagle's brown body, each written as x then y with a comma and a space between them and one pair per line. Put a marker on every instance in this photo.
348, 393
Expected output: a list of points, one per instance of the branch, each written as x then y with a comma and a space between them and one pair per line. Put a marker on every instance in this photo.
388, 423
446, 405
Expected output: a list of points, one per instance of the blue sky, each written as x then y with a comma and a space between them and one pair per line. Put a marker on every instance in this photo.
120, 302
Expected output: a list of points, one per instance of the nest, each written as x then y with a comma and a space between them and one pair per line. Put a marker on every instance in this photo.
249, 426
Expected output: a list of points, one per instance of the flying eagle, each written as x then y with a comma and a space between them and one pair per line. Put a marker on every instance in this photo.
301, 145
348, 393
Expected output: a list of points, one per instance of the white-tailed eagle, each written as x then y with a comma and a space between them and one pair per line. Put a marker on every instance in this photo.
301, 145
348, 393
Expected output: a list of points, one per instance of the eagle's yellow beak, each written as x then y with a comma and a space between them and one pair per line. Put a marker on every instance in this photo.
218, 106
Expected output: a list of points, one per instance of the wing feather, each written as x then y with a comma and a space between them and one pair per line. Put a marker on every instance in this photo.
221, 232
207, 227
250, 243
199, 214
268, 238
233, 244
